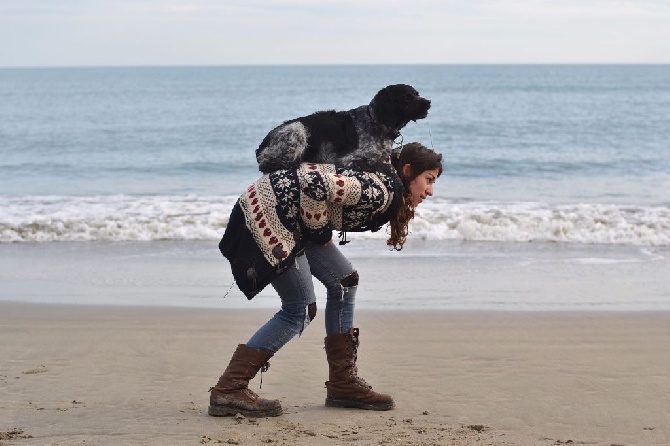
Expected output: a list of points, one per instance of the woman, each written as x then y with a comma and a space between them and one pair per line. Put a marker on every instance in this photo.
280, 233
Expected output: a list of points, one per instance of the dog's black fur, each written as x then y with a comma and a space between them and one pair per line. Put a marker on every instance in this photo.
360, 138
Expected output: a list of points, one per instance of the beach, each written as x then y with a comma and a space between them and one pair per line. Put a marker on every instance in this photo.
530, 305
495, 344
76, 374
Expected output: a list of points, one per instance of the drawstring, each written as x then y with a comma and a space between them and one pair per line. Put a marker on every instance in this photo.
230, 288
343, 237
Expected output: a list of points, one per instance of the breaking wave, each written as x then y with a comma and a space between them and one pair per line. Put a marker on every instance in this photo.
190, 217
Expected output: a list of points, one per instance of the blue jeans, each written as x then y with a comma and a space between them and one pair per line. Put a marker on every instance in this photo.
298, 300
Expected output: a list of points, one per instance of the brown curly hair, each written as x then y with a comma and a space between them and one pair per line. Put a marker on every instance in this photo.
420, 159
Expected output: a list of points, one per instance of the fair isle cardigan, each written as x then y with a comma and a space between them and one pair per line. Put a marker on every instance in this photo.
274, 219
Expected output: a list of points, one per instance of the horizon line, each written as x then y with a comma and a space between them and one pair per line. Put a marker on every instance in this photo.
251, 65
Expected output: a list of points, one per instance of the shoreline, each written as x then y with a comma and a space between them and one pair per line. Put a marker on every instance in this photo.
111, 374
426, 275
413, 312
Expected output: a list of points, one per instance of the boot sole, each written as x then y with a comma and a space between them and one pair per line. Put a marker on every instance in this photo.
223, 411
333, 402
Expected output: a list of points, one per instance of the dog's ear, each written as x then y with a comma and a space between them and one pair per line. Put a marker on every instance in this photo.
396, 105
387, 106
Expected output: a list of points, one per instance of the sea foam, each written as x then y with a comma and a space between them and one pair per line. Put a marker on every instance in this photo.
190, 217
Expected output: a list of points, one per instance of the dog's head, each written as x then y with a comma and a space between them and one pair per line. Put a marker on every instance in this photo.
394, 106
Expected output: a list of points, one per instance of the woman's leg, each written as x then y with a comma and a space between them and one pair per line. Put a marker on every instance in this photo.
231, 394
344, 387
337, 274
298, 308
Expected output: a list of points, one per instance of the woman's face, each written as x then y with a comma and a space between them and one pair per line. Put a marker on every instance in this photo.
421, 187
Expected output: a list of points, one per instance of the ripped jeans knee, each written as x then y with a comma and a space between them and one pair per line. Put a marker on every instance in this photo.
311, 311
338, 275
310, 314
340, 304
350, 280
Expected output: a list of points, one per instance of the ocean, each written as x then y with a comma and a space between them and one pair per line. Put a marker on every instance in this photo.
565, 155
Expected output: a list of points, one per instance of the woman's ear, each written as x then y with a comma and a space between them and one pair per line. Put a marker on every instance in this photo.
407, 171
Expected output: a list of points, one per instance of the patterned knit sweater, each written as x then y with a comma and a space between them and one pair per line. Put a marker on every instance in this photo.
274, 219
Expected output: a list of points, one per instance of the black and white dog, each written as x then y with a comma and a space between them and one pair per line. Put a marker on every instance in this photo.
360, 138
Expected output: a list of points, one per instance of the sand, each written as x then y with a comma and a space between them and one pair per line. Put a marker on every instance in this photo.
138, 375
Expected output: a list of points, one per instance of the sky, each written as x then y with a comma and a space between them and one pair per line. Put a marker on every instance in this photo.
260, 32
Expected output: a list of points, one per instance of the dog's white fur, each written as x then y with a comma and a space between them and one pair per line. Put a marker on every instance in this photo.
287, 139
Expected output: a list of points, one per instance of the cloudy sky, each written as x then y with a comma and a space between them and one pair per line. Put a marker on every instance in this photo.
225, 32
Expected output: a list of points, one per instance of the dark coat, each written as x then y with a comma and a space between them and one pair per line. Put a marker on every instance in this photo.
274, 219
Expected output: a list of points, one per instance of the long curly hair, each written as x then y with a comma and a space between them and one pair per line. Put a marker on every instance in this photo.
420, 159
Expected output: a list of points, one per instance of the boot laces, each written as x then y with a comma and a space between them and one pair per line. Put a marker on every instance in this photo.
354, 369
264, 368
361, 382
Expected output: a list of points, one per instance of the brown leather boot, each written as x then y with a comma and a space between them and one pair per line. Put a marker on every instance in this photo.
345, 387
231, 395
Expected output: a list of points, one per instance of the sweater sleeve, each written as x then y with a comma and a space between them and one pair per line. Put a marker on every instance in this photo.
323, 183
345, 199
